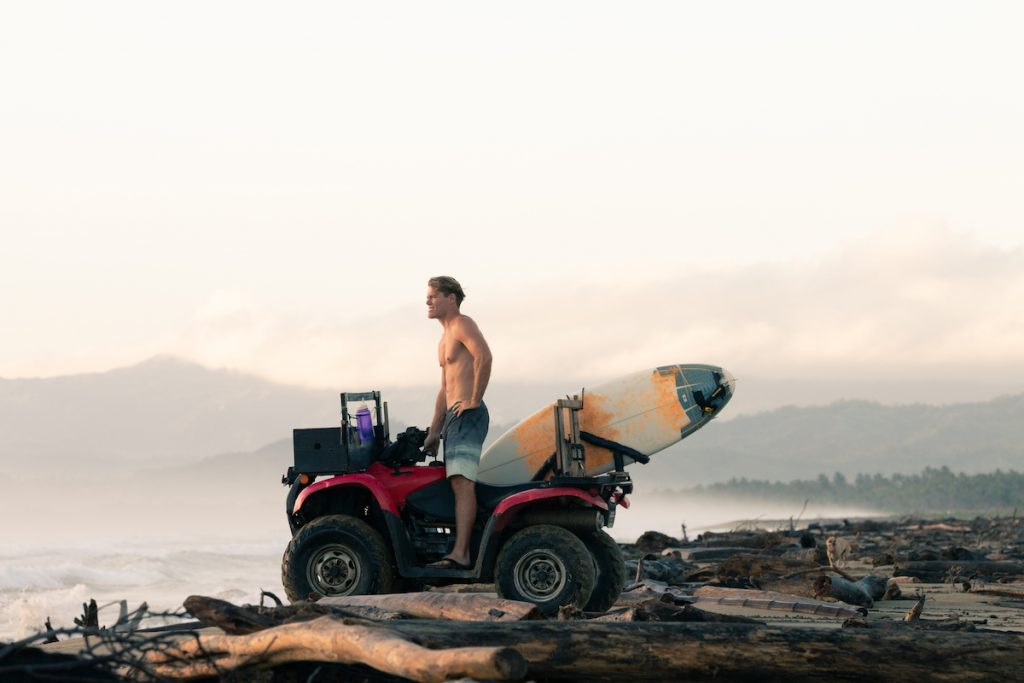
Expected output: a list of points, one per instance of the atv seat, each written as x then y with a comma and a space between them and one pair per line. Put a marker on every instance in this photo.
438, 501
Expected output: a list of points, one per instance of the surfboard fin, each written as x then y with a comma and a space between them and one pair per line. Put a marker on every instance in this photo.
713, 403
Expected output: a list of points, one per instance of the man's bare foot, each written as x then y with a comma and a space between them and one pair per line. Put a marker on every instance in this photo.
451, 563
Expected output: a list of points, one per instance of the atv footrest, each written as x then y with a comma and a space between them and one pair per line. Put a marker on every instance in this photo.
429, 573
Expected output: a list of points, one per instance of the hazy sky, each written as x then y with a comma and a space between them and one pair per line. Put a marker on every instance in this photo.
775, 187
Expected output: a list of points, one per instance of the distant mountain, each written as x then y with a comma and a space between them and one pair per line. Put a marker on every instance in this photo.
161, 409
166, 411
850, 437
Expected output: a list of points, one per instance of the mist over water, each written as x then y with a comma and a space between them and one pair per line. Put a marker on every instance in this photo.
667, 513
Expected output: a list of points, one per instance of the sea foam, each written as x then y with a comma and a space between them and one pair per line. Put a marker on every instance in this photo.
41, 582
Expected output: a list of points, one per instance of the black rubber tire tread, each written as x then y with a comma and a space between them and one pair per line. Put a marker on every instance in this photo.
561, 543
361, 538
611, 570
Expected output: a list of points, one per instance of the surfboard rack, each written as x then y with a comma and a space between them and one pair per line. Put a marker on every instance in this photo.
569, 458
569, 454
619, 451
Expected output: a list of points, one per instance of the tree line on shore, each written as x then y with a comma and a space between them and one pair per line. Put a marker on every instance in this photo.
933, 490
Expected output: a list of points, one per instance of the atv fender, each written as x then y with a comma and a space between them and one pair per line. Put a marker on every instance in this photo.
513, 503
516, 505
372, 484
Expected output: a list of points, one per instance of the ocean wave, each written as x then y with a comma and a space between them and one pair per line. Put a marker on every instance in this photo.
37, 582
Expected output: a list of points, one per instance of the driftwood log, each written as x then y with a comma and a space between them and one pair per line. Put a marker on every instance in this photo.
770, 600
602, 651
862, 592
710, 554
589, 651
763, 566
328, 639
650, 589
664, 608
235, 620
820, 568
458, 607
939, 571
743, 540
999, 590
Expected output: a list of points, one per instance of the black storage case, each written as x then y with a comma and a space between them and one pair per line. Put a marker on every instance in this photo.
339, 450
319, 451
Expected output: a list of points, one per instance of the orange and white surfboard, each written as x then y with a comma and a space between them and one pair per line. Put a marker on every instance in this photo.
647, 411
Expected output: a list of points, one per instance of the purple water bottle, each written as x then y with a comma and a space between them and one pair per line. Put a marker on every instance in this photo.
364, 424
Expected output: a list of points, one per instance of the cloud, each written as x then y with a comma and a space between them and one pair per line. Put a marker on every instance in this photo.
923, 301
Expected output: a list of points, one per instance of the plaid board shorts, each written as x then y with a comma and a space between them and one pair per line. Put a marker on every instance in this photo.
463, 437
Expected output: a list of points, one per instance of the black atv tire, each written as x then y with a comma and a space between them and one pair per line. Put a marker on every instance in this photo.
611, 570
546, 565
336, 555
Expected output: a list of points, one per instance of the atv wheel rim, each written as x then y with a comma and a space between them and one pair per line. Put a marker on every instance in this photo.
539, 575
334, 570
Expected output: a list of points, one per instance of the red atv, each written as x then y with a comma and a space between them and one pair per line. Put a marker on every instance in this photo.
380, 514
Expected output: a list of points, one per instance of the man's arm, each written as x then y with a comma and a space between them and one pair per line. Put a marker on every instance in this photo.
469, 334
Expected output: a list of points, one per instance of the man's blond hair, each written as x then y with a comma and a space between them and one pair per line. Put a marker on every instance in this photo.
447, 285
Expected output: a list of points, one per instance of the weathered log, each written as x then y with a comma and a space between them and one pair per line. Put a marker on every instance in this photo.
820, 568
649, 588
709, 554
741, 597
595, 651
667, 611
892, 591
328, 639
760, 540
840, 589
227, 616
873, 586
656, 651
941, 526
664, 608
938, 571
1001, 590
454, 606
235, 620
741, 566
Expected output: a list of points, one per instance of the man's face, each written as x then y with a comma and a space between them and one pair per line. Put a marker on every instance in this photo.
438, 304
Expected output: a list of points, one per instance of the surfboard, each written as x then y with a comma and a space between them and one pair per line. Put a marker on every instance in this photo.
647, 411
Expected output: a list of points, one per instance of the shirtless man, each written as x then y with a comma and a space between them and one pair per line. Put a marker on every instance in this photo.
460, 416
